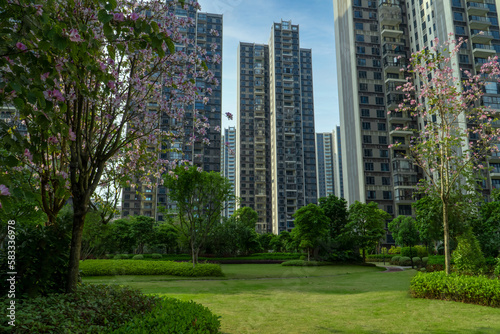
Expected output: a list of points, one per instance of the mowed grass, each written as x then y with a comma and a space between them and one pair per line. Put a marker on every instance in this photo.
334, 299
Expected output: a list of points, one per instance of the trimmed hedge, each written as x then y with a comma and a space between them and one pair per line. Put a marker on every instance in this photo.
395, 260
404, 261
90, 309
138, 257
173, 316
143, 267
416, 251
302, 263
156, 256
478, 290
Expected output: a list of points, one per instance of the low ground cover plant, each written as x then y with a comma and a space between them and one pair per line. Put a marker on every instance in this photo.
302, 263
478, 290
187, 257
143, 267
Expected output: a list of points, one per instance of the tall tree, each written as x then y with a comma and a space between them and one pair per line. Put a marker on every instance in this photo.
336, 209
366, 224
457, 134
200, 198
405, 232
246, 216
90, 80
311, 226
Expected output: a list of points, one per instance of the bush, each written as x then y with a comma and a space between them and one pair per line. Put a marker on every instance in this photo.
138, 257
424, 261
418, 250
302, 257
156, 256
90, 309
117, 257
497, 267
144, 267
302, 263
417, 261
174, 316
395, 250
125, 256
404, 261
462, 288
467, 256
395, 260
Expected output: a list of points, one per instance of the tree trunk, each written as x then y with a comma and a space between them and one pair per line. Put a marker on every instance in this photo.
80, 208
193, 256
446, 228
364, 255
308, 255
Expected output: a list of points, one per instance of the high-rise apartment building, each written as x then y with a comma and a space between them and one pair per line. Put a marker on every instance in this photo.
339, 173
206, 156
228, 163
325, 164
374, 41
276, 159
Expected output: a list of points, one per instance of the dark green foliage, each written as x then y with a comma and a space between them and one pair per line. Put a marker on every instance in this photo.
417, 261
311, 227
138, 257
302, 263
246, 216
41, 257
404, 232
487, 227
264, 240
497, 267
395, 260
419, 251
467, 256
404, 261
91, 309
173, 316
143, 267
425, 260
336, 210
166, 236
462, 288
233, 237
156, 256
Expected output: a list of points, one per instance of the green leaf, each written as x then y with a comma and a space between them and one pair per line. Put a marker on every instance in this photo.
60, 42
11, 161
108, 31
156, 29
19, 103
104, 17
171, 45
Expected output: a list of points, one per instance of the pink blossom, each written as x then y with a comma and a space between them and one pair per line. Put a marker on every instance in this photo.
72, 135
199, 169
4, 191
44, 76
28, 155
74, 36
134, 16
21, 46
53, 140
111, 84
118, 17
229, 115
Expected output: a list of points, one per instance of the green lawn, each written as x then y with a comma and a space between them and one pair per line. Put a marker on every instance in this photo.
334, 299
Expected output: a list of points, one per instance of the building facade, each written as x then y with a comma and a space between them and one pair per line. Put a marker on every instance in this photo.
276, 159
228, 164
337, 153
325, 164
147, 200
374, 41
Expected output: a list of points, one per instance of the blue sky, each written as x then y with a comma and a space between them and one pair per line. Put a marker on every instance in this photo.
251, 21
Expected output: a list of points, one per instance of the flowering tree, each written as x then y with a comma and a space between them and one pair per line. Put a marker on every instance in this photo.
457, 133
90, 80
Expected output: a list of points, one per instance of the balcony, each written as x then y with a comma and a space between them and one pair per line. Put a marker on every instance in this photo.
392, 31
481, 36
402, 130
476, 8
394, 66
393, 101
495, 173
399, 116
479, 22
391, 18
483, 50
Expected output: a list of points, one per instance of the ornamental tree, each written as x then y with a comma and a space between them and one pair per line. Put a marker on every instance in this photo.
457, 133
90, 80
405, 232
311, 227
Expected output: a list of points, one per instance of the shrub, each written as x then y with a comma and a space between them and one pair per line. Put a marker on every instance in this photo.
174, 316
467, 256
117, 257
125, 256
90, 309
462, 288
417, 261
395, 250
404, 261
418, 250
302, 263
156, 256
497, 267
144, 267
395, 260
425, 260
302, 257
138, 257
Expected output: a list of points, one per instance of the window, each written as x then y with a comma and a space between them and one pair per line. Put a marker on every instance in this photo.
376, 63
464, 59
460, 30
376, 51
364, 99
362, 74
379, 88
458, 16
373, 15
363, 87
360, 50
381, 126
387, 194
365, 112
384, 153
384, 167
371, 180
382, 140
358, 14
361, 62
371, 194
358, 25
368, 152
367, 139
377, 75
366, 125
379, 100
386, 181
380, 113
360, 38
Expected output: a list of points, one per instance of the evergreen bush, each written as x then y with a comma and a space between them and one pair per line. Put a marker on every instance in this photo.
467, 256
